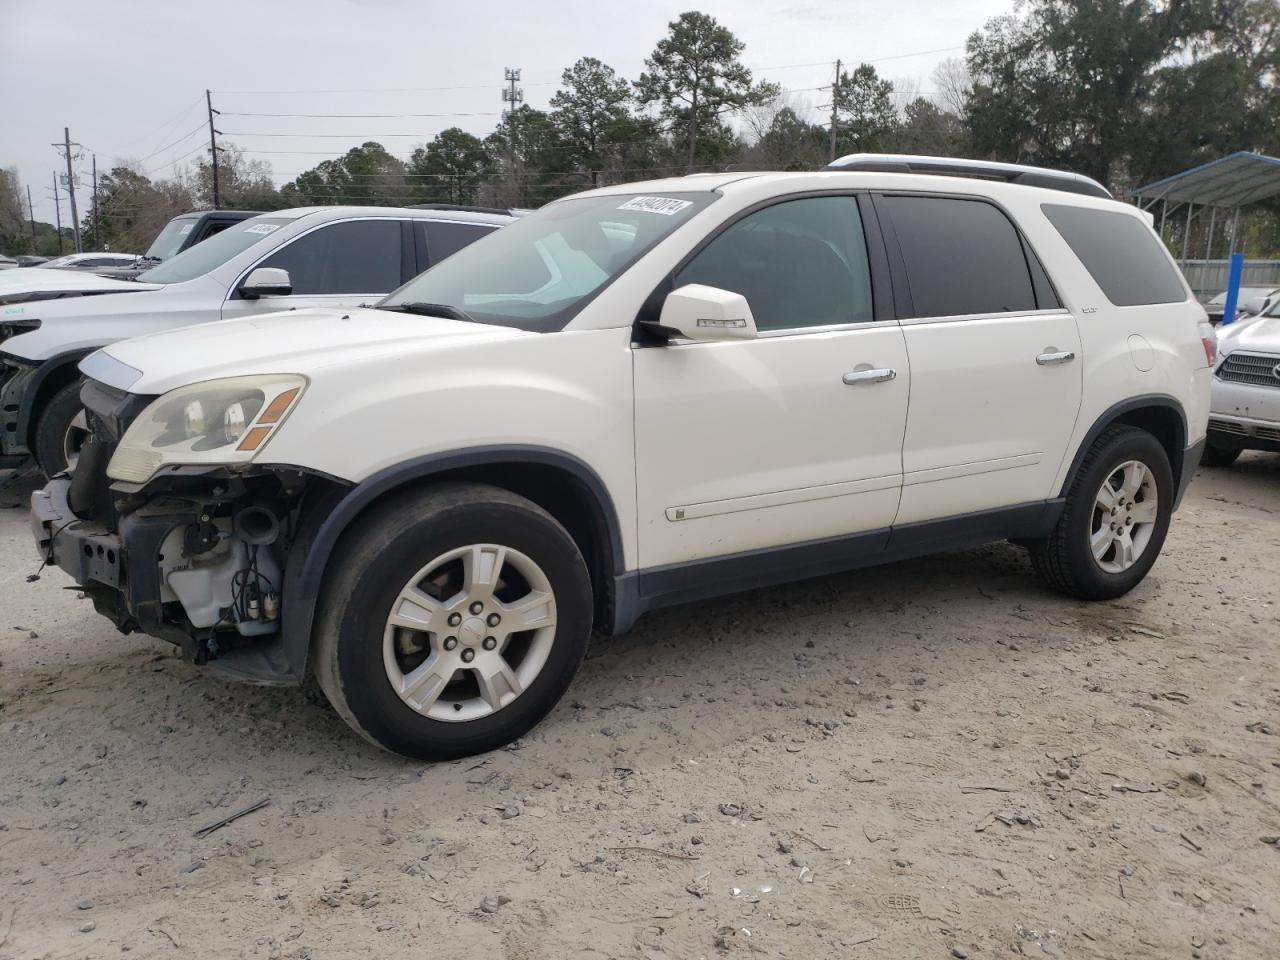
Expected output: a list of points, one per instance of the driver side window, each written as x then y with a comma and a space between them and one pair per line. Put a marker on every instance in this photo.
800, 263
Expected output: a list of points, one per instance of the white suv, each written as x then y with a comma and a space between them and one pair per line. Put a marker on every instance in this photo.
638, 396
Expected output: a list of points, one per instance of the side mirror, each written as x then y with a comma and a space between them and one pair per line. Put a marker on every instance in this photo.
266, 282
698, 312
1253, 307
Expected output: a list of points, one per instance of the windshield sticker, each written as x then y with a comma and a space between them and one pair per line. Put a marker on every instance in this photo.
262, 228
667, 206
185, 230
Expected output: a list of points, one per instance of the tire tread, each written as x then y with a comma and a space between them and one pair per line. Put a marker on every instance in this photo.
1050, 557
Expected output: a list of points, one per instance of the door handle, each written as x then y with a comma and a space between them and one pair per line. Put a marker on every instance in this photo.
1053, 359
883, 375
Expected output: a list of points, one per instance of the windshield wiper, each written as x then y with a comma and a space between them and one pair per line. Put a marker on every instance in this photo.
430, 310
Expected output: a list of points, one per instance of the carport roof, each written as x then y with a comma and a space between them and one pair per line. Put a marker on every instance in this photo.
1235, 180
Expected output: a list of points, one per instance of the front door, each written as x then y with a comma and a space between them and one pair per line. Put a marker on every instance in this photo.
995, 365
347, 263
794, 436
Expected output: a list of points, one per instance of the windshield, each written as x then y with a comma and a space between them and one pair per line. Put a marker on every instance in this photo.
212, 253
171, 238
537, 273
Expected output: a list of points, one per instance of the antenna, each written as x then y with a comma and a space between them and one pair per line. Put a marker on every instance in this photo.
512, 96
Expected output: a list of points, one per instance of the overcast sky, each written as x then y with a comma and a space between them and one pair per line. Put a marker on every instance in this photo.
128, 76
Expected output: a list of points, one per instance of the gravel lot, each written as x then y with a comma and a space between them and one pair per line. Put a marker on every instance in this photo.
931, 759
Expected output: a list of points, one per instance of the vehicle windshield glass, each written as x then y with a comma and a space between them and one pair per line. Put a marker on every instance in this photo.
537, 273
212, 253
171, 238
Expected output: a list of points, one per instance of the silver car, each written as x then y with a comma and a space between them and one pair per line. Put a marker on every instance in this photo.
1245, 406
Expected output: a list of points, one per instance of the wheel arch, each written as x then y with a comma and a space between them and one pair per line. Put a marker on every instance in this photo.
1159, 414
563, 485
51, 376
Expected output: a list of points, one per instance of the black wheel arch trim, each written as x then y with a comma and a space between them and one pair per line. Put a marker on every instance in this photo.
318, 536
27, 414
1118, 410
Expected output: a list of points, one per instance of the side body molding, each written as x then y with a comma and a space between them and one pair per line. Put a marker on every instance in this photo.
327, 521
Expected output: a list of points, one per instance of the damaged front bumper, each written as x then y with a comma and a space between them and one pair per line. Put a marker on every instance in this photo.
184, 570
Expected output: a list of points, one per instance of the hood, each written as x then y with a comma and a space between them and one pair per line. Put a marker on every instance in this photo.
295, 341
38, 283
1255, 334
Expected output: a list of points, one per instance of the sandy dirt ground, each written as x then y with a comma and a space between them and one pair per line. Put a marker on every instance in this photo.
932, 759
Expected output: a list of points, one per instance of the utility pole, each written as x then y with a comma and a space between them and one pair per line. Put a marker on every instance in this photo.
57, 211
65, 149
835, 86
213, 150
97, 221
31, 215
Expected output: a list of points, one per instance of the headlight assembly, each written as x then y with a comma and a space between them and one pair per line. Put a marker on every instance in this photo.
216, 422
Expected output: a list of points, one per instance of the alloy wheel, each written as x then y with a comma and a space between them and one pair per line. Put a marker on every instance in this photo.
469, 632
1125, 511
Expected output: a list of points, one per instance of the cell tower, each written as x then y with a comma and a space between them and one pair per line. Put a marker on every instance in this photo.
512, 96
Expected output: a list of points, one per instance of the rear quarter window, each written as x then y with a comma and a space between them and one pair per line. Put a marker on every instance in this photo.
1122, 255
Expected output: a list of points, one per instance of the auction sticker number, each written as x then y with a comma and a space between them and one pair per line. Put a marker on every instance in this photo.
262, 228
667, 206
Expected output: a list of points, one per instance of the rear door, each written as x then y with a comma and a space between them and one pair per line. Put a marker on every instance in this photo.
443, 238
995, 366
345, 263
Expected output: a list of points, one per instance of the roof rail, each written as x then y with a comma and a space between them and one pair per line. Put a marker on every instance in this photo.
983, 169
465, 208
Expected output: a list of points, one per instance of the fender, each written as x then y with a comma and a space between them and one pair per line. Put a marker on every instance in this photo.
1177, 461
44, 370
328, 520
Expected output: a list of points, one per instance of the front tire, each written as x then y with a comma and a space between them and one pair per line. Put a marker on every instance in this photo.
1217, 455
453, 621
60, 430
1115, 518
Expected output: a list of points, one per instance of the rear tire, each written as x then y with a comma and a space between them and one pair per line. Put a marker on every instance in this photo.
1217, 455
412, 644
1099, 552
53, 427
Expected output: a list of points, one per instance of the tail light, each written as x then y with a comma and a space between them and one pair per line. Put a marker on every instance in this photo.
1209, 338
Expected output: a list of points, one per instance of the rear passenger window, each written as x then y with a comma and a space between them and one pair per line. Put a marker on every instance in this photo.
961, 257
358, 256
801, 263
446, 239
1120, 252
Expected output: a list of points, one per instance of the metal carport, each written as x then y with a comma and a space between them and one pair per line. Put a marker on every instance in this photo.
1224, 185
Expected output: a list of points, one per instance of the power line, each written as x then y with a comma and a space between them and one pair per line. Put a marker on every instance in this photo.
361, 116
169, 124
199, 127
549, 83
173, 163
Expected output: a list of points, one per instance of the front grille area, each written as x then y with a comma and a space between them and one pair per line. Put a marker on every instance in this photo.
1259, 369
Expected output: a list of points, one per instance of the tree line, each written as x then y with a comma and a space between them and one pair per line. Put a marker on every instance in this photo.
1125, 91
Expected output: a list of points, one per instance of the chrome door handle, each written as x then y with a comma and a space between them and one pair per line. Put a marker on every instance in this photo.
883, 375
1053, 359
